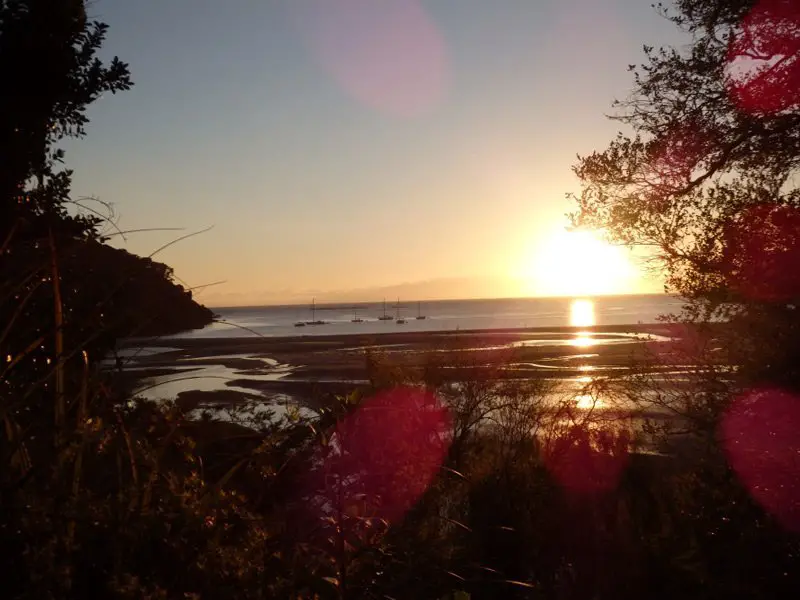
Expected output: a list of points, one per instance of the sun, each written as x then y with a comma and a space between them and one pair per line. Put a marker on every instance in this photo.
582, 313
579, 263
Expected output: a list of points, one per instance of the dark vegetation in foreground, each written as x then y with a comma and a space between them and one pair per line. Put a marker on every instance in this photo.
417, 488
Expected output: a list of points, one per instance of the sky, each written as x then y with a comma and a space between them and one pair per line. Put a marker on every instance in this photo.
349, 147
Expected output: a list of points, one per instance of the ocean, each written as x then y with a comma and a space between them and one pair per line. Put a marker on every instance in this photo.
441, 315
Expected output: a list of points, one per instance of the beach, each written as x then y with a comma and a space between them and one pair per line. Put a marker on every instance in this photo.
258, 357
303, 370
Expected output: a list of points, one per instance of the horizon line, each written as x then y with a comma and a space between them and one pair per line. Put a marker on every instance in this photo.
432, 300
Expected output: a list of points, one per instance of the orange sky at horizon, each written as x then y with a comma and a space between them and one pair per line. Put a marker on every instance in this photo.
331, 159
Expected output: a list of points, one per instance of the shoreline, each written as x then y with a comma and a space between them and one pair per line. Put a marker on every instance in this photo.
259, 343
306, 368
313, 354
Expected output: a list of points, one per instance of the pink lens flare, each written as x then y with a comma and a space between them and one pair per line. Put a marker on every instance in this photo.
674, 157
760, 436
763, 252
384, 456
589, 461
764, 58
677, 154
388, 55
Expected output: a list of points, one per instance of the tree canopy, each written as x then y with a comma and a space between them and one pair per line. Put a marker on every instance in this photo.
59, 280
706, 175
65, 298
50, 73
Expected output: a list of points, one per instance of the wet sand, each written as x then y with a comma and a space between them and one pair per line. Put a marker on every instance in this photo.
305, 367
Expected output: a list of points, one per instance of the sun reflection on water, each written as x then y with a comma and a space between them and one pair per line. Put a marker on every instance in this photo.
587, 401
583, 339
581, 314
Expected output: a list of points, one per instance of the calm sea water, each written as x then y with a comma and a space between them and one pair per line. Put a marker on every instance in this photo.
445, 315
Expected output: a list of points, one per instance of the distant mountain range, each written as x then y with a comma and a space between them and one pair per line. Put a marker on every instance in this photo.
432, 289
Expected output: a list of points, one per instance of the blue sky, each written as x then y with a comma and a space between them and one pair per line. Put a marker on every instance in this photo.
252, 116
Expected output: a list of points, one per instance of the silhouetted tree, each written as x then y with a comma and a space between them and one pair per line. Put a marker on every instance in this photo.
707, 179
50, 74
73, 520
62, 291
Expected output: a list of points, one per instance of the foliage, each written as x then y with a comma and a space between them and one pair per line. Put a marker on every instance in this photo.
50, 74
95, 497
123, 511
571, 511
707, 178
444, 479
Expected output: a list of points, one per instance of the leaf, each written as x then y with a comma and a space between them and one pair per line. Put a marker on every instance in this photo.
519, 583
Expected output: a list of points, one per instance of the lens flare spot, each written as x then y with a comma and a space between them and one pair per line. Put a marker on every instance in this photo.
759, 434
763, 70
388, 55
762, 252
382, 457
675, 155
589, 461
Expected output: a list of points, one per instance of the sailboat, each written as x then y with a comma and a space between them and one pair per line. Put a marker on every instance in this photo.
355, 318
398, 319
314, 320
420, 316
300, 324
385, 317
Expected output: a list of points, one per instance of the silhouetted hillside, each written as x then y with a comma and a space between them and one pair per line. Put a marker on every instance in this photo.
128, 295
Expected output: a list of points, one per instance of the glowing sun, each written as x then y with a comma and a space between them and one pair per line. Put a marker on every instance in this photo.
579, 263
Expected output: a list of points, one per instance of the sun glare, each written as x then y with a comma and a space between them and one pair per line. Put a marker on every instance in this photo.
584, 339
587, 401
581, 313
579, 263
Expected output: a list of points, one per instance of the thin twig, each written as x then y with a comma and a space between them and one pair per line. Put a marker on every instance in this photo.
180, 239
